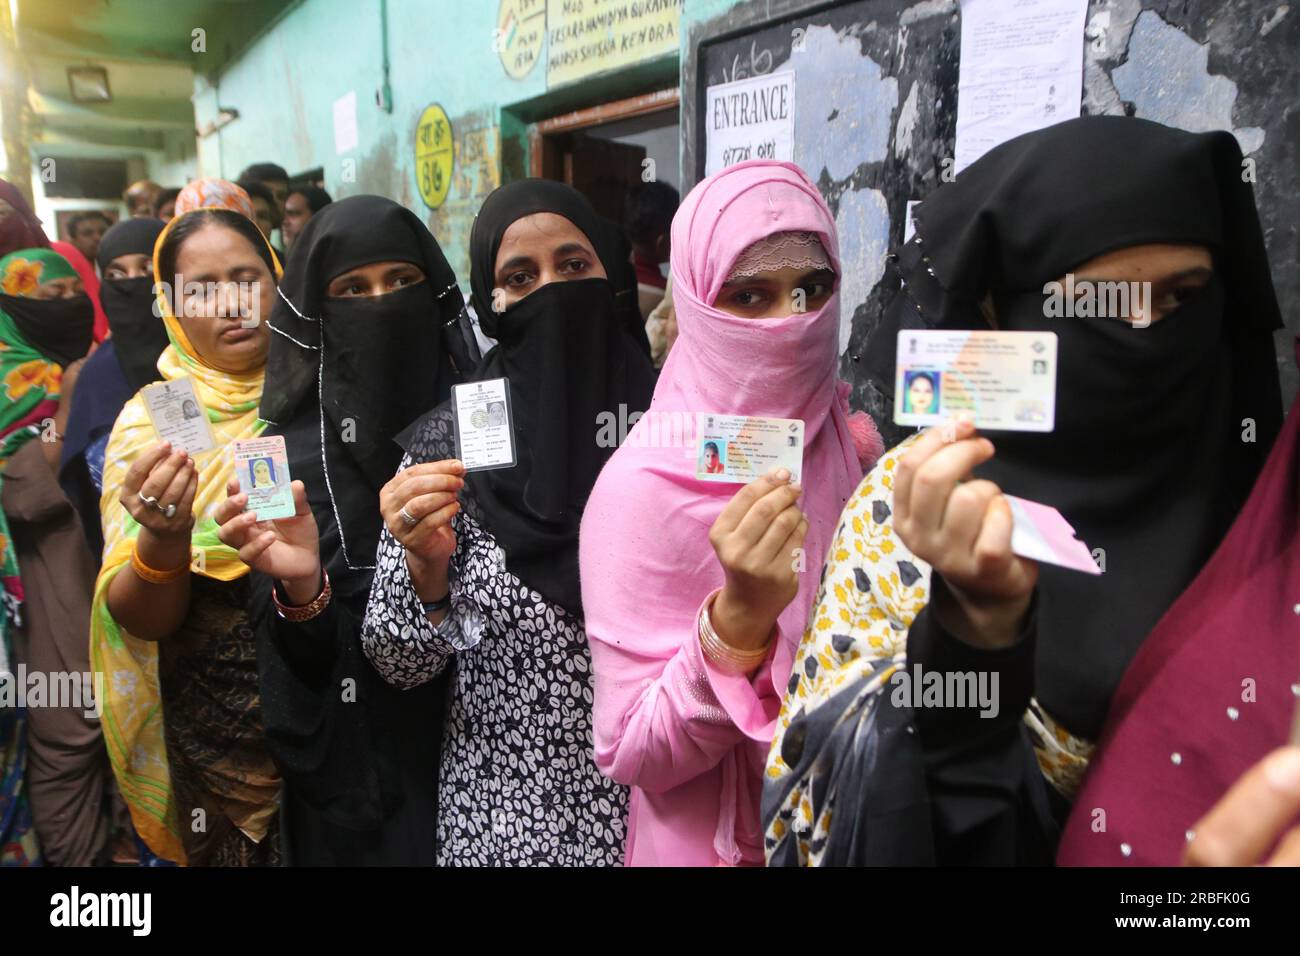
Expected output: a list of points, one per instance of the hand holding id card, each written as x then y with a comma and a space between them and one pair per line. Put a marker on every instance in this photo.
485, 435
741, 448
1005, 381
177, 416
262, 467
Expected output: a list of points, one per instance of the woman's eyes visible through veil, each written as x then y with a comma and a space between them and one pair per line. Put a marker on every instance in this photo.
750, 297
1139, 284
818, 289
403, 277
1177, 296
375, 279
777, 293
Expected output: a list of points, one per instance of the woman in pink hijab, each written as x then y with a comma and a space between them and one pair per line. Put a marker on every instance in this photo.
696, 591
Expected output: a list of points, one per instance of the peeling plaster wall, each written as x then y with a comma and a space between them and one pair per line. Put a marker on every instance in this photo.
876, 114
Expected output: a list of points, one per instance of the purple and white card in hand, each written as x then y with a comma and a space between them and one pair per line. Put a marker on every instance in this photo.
1041, 533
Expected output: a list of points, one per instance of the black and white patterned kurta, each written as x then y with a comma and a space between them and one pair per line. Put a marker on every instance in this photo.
518, 783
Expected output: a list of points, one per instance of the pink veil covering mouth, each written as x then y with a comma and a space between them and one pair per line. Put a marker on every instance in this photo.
779, 368
648, 517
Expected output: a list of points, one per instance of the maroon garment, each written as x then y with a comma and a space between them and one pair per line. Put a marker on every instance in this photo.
1187, 720
21, 230
647, 272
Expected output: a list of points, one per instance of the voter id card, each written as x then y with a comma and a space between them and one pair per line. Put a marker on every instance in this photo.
177, 415
262, 467
485, 436
741, 448
1005, 381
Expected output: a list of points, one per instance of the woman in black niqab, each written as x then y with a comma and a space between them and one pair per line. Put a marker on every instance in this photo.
344, 376
1159, 434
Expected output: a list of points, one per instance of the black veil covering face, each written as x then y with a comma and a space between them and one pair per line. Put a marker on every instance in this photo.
516, 200
139, 335
60, 329
570, 354
1147, 461
124, 364
1147, 458
365, 366
343, 377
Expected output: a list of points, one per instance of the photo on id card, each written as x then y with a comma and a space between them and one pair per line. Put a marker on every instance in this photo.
484, 425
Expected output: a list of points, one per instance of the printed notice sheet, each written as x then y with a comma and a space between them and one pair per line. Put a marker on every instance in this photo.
749, 119
1021, 69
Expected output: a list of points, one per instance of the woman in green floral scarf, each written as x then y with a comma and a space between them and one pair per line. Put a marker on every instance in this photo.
45, 325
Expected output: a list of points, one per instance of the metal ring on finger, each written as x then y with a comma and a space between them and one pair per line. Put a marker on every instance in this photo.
408, 519
169, 511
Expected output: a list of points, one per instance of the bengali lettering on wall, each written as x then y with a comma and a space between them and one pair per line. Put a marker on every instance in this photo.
434, 156
585, 37
749, 119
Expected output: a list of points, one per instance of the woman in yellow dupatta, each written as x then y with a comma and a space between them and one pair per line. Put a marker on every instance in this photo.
169, 625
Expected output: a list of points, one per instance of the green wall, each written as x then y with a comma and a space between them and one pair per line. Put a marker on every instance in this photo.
285, 84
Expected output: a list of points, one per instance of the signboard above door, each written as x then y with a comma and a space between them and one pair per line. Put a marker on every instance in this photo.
584, 37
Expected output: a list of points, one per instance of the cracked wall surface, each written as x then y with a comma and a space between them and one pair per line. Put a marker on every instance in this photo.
876, 94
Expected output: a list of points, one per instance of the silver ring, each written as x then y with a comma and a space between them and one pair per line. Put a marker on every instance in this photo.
409, 519
151, 502
169, 511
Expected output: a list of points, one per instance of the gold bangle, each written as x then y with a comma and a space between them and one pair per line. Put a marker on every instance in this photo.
305, 612
721, 654
153, 575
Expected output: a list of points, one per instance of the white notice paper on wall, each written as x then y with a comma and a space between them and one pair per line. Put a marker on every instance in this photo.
1021, 69
749, 119
909, 226
345, 123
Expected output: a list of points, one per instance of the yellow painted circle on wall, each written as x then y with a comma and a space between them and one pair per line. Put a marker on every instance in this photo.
434, 156
521, 28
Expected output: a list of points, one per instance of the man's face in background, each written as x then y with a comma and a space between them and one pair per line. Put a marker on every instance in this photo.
86, 235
